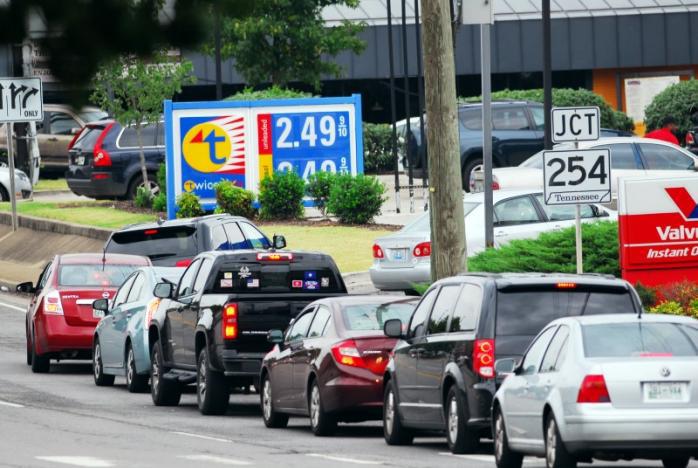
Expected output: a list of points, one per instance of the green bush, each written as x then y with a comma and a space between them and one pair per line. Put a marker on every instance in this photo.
356, 199
667, 307
274, 92
144, 198
648, 295
160, 203
162, 178
318, 188
378, 157
281, 196
679, 100
565, 97
234, 200
555, 252
188, 206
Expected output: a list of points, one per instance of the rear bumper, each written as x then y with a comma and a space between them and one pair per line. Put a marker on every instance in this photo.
242, 365
400, 279
54, 335
355, 398
81, 181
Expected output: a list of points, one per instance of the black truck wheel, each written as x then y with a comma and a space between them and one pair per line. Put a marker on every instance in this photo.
212, 392
163, 391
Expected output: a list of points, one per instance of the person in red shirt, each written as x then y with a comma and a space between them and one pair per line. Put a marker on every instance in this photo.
668, 131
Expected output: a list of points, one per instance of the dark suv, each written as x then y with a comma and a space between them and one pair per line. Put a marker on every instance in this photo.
177, 242
442, 373
105, 160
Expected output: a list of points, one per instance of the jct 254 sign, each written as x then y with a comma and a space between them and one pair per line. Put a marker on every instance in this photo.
244, 141
658, 223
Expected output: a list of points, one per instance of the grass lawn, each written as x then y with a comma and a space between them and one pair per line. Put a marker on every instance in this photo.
50, 184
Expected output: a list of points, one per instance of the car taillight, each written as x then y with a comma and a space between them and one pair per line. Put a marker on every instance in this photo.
183, 263
690, 140
483, 358
150, 311
275, 257
52, 304
566, 285
495, 184
423, 249
101, 156
377, 251
346, 353
229, 325
593, 390
75, 138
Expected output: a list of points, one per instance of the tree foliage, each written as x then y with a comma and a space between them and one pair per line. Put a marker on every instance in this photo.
287, 40
679, 100
273, 92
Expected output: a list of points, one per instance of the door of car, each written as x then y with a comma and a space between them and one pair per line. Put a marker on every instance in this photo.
312, 347
435, 354
132, 306
514, 137
563, 216
37, 297
625, 162
54, 134
190, 314
516, 218
293, 342
666, 161
175, 322
406, 358
110, 334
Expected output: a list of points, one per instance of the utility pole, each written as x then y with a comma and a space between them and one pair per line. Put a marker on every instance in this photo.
547, 78
448, 255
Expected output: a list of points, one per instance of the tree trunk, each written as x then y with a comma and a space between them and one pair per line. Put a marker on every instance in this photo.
448, 255
144, 171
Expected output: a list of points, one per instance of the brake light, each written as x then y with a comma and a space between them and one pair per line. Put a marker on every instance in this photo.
229, 325
566, 285
422, 249
183, 263
346, 353
150, 311
99, 176
75, 138
593, 390
275, 257
377, 251
483, 358
52, 304
495, 184
101, 156
150, 232
650, 355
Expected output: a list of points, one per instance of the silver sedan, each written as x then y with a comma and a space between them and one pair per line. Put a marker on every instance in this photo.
23, 186
606, 386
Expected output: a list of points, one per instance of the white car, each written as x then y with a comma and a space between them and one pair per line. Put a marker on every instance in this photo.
23, 186
402, 259
630, 156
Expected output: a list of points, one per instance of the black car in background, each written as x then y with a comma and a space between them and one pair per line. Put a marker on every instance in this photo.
105, 160
178, 241
442, 374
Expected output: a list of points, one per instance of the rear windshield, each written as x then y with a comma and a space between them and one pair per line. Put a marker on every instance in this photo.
157, 243
373, 316
640, 340
94, 275
87, 139
527, 312
274, 278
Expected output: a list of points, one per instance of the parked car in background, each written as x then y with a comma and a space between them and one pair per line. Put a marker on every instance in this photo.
611, 387
329, 364
441, 376
60, 320
403, 259
178, 241
105, 160
629, 157
23, 186
120, 343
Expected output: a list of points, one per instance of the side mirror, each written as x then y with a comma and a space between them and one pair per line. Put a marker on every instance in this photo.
393, 328
101, 304
275, 336
505, 367
164, 290
26, 288
278, 241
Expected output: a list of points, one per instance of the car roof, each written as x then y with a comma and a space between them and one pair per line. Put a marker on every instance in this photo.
503, 280
498, 103
96, 259
368, 299
497, 195
181, 222
627, 318
610, 140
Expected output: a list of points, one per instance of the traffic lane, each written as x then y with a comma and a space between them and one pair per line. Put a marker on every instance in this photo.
63, 419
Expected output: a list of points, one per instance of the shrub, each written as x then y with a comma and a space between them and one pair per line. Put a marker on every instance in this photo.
281, 196
555, 252
160, 203
318, 188
274, 92
162, 178
667, 307
144, 198
356, 199
679, 100
378, 157
234, 200
682, 292
188, 206
648, 296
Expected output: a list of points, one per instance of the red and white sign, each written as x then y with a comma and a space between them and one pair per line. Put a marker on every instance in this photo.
658, 226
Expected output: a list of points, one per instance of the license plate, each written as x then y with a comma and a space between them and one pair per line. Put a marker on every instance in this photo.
98, 314
665, 391
80, 160
398, 255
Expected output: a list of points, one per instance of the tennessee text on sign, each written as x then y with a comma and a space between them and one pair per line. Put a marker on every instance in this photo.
21, 100
658, 225
577, 176
207, 142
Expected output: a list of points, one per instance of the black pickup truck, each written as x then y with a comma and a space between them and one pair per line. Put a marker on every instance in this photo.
211, 328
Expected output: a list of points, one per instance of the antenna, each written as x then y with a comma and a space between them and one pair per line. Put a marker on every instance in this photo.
104, 258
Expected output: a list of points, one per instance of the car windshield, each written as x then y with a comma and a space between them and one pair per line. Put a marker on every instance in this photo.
638, 339
156, 243
94, 275
366, 317
421, 224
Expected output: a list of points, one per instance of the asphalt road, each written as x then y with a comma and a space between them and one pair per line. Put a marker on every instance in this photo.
62, 419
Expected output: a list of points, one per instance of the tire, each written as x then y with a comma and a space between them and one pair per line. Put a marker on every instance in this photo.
212, 392
504, 457
4, 194
676, 462
272, 418
135, 382
460, 438
101, 379
137, 181
393, 430
467, 170
163, 392
321, 422
556, 454
40, 364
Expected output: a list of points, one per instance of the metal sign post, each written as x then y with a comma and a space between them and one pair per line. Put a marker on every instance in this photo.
11, 163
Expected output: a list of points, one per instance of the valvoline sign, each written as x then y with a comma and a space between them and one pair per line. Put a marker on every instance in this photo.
658, 226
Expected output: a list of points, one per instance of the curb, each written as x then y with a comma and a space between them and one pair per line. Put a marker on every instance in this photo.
57, 227
49, 193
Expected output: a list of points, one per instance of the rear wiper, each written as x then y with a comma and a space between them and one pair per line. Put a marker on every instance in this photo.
161, 255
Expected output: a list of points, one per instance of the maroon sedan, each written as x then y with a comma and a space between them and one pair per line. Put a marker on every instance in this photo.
329, 364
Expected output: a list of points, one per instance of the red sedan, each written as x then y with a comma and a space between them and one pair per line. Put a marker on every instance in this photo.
60, 319
329, 365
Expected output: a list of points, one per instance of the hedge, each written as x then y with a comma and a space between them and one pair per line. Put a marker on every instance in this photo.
679, 100
274, 92
378, 157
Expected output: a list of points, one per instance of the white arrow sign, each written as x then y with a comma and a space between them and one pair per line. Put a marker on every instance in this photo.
21, 100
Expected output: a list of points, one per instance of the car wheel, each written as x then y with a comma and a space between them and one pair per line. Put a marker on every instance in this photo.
676, 462
4, 195
556, 455
271, 417
40, 364
504, 457
212, 392
101, 379
460, 439
393, 430
138, 182
164, 392
468, 168
321, 422
135, 382
29, 347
